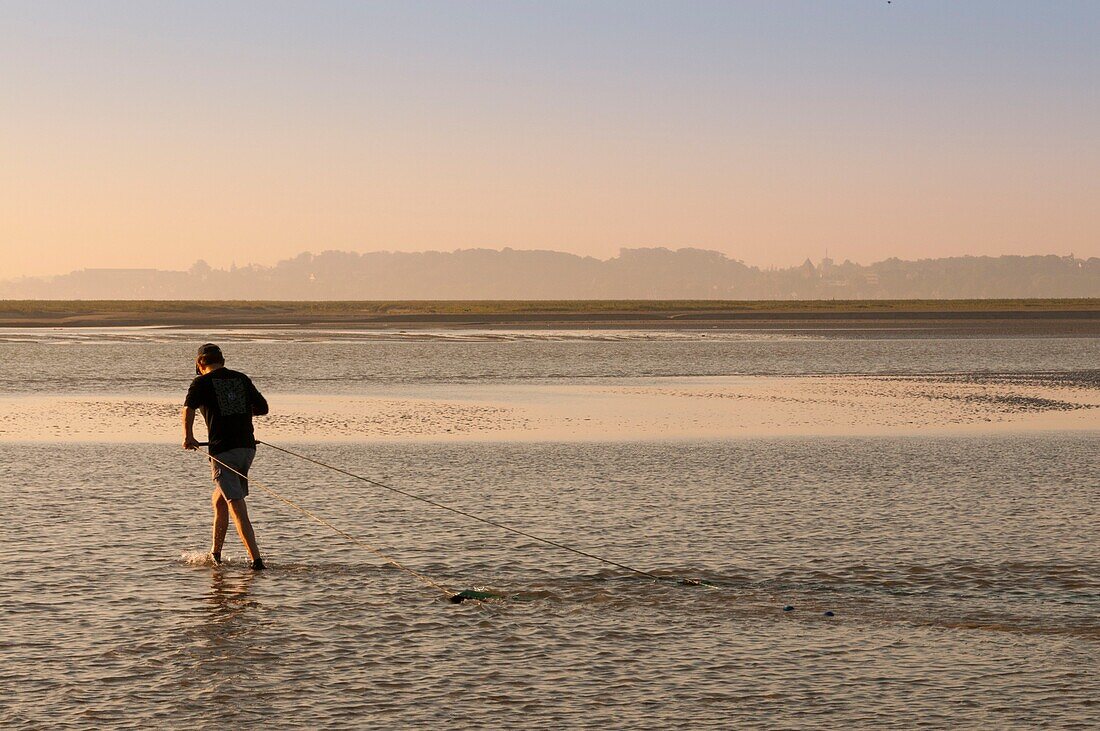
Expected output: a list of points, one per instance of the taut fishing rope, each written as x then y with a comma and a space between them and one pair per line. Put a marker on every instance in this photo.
362, 544
478, 518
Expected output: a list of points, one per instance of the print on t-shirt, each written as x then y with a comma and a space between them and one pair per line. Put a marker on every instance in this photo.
230, 392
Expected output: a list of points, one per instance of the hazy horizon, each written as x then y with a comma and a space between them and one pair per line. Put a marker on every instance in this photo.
152, 135
814, 258
515, 274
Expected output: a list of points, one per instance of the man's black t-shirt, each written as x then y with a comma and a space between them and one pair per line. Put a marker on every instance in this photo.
227, 400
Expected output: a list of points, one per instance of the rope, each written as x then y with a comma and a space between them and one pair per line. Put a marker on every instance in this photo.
393, 562
478, 518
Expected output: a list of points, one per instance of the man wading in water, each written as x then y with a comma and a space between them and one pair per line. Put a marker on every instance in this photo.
228, 401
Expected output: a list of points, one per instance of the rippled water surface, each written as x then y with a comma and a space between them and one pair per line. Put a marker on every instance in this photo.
142, 360
963, 572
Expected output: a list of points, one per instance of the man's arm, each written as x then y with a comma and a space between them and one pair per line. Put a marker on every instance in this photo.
189, 428
257, 400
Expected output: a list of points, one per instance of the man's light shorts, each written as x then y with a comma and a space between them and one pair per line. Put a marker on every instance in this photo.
232, 486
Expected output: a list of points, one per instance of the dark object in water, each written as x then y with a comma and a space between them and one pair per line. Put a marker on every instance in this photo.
830, 614
695, 582
258, 565
788, 608
473, 595
216, 557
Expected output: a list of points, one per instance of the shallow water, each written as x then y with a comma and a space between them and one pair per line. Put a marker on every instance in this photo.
143, 360
963, 571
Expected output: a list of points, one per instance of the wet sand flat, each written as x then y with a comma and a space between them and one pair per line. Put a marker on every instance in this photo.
728, 407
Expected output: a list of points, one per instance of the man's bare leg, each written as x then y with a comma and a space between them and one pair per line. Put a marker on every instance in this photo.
239, 512
221, 524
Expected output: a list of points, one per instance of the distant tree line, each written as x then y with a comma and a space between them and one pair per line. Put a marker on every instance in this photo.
651, 273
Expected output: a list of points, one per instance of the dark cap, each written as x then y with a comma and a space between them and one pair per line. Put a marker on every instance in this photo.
205, 351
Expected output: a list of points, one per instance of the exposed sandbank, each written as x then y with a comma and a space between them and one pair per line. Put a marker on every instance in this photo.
607, 410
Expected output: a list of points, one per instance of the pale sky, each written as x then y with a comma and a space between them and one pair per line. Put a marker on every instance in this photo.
152, 134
